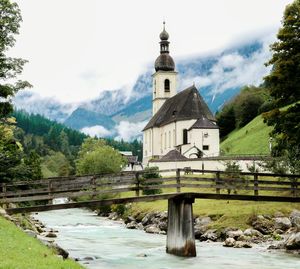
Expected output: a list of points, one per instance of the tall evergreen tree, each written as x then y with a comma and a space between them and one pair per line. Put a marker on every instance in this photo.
283, 83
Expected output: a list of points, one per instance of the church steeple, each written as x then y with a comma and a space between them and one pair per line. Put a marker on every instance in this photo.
164, 79
164, 61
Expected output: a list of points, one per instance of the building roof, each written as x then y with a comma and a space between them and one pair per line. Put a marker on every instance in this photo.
126, 153
185, 105
164, 62
173, 155
204, 123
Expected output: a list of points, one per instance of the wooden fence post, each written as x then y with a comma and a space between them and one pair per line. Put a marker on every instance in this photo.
217, 182
50, 201
94, 187
137, 184
255, 184
294, 186
178, 189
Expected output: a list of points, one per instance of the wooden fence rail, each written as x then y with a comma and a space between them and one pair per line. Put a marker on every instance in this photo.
183, 180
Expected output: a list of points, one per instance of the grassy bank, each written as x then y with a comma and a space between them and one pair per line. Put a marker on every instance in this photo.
250, 139
19, 251
225, 213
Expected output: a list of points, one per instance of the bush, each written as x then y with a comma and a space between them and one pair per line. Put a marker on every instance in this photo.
232, 177
151, 172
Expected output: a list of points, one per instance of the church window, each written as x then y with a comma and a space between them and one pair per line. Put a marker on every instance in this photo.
169, 139
205, 135
205, 147
185, 136
174, 136
167, 85
165, 140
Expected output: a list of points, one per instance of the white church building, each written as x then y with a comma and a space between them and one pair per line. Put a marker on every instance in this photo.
182, 124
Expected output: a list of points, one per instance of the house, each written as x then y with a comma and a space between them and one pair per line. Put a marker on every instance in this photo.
180, 121
132, 161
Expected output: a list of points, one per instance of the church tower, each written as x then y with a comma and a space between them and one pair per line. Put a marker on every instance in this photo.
164, 79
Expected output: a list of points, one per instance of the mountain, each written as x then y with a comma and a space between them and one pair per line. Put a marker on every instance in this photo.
82, 117
218, 76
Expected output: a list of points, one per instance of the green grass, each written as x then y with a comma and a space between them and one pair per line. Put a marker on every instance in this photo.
225, 213
19, 251
250, 139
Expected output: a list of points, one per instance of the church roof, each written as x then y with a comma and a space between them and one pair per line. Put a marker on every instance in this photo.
185, 105
204, 123
173, 155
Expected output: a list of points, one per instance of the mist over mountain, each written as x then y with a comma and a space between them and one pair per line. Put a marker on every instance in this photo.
218, 77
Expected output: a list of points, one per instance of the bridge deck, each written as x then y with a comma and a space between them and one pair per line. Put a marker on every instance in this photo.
97, 203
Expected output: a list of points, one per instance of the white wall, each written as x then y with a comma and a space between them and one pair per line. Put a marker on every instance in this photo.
159, 94
206, 164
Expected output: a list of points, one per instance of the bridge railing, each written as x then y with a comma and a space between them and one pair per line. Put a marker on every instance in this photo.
103, 186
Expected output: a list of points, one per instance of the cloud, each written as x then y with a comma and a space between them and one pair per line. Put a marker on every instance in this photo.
233, 69
128, 130
96, 130
49, 107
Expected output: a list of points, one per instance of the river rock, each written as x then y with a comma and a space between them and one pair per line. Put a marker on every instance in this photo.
60, 251
140, 226
241, 244
295, 219
263, 224
129, 219
209, 235
147, 218
252, 232
282, 223
229, 242
51, 235
113, 216
234, 234
131, 225
199, 231
202, 221
163, 225
152, 230
293, 241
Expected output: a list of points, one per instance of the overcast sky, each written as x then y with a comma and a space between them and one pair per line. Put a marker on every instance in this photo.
77, 48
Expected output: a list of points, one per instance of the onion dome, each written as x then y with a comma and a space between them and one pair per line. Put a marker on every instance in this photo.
164, 62
164, 34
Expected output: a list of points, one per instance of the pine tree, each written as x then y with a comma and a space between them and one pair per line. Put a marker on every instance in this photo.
283, 83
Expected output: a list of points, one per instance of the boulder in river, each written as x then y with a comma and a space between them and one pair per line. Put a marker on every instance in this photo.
293, 242
152, 229
229, 242
282, 223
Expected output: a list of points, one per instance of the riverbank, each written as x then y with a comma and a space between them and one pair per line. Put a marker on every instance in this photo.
22, 246
278, 231
100, 243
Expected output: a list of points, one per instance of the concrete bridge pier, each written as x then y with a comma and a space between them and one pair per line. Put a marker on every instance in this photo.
181, 235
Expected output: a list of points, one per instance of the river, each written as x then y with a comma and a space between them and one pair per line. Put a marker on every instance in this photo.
86, 236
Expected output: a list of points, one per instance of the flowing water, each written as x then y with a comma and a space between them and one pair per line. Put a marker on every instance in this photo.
101, 243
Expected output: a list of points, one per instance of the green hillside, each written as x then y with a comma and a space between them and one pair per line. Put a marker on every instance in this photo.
253, 138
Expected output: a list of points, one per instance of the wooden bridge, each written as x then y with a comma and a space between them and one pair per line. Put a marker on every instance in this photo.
180, 188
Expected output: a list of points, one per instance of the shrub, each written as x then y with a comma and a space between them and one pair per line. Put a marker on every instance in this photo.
151, 172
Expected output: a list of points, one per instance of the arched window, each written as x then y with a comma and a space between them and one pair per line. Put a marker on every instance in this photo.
167, 85
185, 136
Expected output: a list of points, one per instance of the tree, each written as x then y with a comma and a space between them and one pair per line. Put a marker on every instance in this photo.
95, 157
10, 18
283, 83
226, 120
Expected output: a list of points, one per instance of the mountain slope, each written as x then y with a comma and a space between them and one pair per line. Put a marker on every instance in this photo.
81, 118
250, 139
